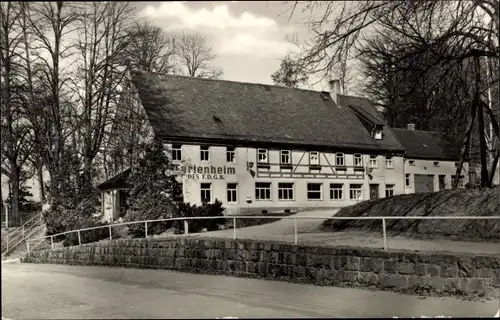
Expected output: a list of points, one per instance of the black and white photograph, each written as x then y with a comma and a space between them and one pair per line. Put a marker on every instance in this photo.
250, 159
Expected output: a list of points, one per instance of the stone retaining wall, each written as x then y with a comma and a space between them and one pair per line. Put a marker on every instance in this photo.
413, 272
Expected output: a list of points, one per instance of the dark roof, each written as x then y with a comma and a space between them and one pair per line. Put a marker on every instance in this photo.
363, 107
181, 107
366, 111
121, 181
427, 145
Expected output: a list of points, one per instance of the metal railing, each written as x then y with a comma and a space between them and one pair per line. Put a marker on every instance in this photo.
16, 237
234, 227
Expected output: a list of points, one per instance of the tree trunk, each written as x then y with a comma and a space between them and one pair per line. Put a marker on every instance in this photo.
40, 181
480, 119
465, 143
14, 200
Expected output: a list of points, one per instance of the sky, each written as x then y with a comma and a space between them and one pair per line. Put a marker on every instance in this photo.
249, 37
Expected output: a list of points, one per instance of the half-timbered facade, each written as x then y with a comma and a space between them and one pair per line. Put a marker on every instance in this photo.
260, 179
261, 148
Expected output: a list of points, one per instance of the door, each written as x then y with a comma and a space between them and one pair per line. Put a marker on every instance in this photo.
442, 183
373, 191
424, 183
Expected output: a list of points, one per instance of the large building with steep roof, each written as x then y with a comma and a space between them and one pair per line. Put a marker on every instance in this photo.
262, 148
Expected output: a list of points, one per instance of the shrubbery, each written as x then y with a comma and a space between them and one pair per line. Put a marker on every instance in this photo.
151, 198
206, 210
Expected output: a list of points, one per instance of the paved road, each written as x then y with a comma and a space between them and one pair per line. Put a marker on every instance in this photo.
58, 291
308, 233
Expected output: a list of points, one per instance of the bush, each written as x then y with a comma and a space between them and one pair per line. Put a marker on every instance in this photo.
138, 230
152, 195
206, 210
58, 220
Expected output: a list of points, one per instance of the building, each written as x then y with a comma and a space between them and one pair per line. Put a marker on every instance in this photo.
261, 148
430, 163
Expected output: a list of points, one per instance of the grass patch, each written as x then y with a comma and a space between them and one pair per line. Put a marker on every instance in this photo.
461, 202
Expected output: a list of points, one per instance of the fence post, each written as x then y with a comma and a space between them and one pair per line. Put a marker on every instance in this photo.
384, 233
28, 246
186, 228
79, 238
234, 228
23, 231
146, 229
295, 230
110, 237
52, 243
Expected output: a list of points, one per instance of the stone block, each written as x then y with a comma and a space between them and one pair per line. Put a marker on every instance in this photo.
353, 263
406, 268
484, 273
420, 269
452, 284
434, 270
390, 266
449, 271
475, 285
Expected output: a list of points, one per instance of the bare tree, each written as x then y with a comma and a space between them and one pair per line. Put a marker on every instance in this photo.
150, 50
194, 56
102, 41
48, 24
16, 132
341, 27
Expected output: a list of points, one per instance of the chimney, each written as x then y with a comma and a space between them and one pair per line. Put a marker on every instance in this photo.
334, 90
411, 126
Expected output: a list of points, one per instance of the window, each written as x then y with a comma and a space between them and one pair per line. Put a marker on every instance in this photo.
232, 192
285, 191
412, 162
285, 157
407, 180
230, 154
356, 191
206, 189
314, 191
262, 155
389, 163
358, 160
436, 163
176, 152
314, 158
372, 162
204, 153
389, 190
377, 134
339, 159
263, 191
336, 191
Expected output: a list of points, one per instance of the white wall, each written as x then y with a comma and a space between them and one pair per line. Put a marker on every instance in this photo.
428, 167
300, 168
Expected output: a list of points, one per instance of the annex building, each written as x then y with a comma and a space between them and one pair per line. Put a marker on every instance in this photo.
262, 149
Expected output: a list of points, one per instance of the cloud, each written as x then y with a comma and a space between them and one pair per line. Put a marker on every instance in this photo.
245, 43
218, 17
229, 34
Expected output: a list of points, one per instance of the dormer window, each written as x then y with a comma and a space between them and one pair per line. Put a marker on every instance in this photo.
377, 134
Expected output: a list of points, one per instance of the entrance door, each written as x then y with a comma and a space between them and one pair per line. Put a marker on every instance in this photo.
442, 183
424, 183
373, 191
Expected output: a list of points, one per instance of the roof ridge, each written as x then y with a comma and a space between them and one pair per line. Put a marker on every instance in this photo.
405, 129
224, 80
